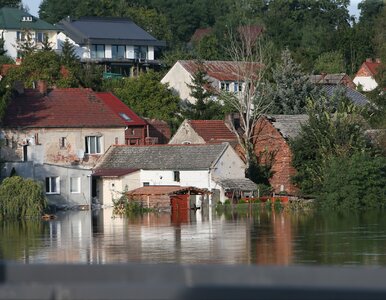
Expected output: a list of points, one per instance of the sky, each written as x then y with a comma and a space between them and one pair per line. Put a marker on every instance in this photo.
34, 7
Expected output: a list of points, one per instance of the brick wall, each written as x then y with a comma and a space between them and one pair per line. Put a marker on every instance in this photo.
269, 141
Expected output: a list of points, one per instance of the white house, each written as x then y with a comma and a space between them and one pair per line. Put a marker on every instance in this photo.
223, 75
15, 25
125, 168
365, 77
117, 43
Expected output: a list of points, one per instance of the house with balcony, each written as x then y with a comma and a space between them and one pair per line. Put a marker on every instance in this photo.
226, 76
118, 44
56, 136
16, 24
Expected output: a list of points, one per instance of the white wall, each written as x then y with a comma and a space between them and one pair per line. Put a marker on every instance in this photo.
186, 135
110, 188
230, 165
10, 40
178, 79
367, 83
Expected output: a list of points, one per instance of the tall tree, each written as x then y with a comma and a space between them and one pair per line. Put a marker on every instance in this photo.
201, 90
11, 3
334, 129
291, 87
251, 103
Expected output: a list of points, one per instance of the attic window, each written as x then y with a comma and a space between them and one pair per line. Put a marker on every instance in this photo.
125, 117
26, 19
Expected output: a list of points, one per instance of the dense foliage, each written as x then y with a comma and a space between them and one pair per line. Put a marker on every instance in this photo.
334, 129
290, 88
354, 182
146, 96
309, 29
21, 198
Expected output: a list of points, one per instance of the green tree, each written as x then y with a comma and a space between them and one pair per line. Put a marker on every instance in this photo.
334, 129
11, 3
291, 87
330, 62
21, 198
146, 96
204, 108
354, 182
27, 45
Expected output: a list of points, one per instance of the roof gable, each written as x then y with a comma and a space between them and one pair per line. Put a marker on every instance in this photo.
119, 30
212, 130
289, 126
222, 70
14, 18
162, 157
72, 107
121, 110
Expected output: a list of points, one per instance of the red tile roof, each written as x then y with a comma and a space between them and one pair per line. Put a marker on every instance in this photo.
119, 107
69, 108
213, 130
372, 66
369, 68
223, 70
165, 190
113, 172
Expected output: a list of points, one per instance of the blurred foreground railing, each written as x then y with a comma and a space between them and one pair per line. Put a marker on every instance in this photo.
141, 281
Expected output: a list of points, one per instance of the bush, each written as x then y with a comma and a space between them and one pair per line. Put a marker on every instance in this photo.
21, 198
354, 182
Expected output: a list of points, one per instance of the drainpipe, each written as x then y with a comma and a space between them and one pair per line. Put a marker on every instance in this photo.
209, 188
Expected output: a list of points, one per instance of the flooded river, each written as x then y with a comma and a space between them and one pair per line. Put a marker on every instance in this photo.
203, 237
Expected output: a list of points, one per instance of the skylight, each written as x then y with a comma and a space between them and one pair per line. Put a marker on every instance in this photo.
124, 116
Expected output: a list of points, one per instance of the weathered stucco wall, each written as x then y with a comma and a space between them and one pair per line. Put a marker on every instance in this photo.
58, 146
186, 135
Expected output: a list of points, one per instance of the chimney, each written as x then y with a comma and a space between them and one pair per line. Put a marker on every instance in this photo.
369, 60
42, 87
378, 60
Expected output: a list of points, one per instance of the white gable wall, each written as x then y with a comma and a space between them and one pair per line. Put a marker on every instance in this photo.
178, 79
367, 83
186, 135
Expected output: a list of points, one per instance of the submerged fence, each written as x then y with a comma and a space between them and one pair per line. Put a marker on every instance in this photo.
159, 281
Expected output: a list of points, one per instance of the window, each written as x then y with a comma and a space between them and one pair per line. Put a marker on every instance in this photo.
140, 52
227, 86
236, 87
222, 86
62, 143
93, 144
97, 51
52, 185
40, 36
75, 185
177, 176
125, 117
146, 183
118, 51
20, 36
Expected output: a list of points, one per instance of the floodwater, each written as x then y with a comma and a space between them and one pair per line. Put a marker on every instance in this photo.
261, 236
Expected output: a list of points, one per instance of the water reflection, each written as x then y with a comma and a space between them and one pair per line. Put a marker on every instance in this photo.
261, 236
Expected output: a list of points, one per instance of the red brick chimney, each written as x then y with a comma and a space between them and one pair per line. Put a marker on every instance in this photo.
42, 87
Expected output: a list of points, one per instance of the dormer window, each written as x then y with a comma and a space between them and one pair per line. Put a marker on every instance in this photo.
26, 19
125, 117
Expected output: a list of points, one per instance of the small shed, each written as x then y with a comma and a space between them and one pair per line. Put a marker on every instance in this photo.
166, 196
237, 188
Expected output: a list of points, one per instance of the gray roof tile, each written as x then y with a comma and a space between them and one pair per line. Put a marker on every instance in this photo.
288, 125
162, 157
